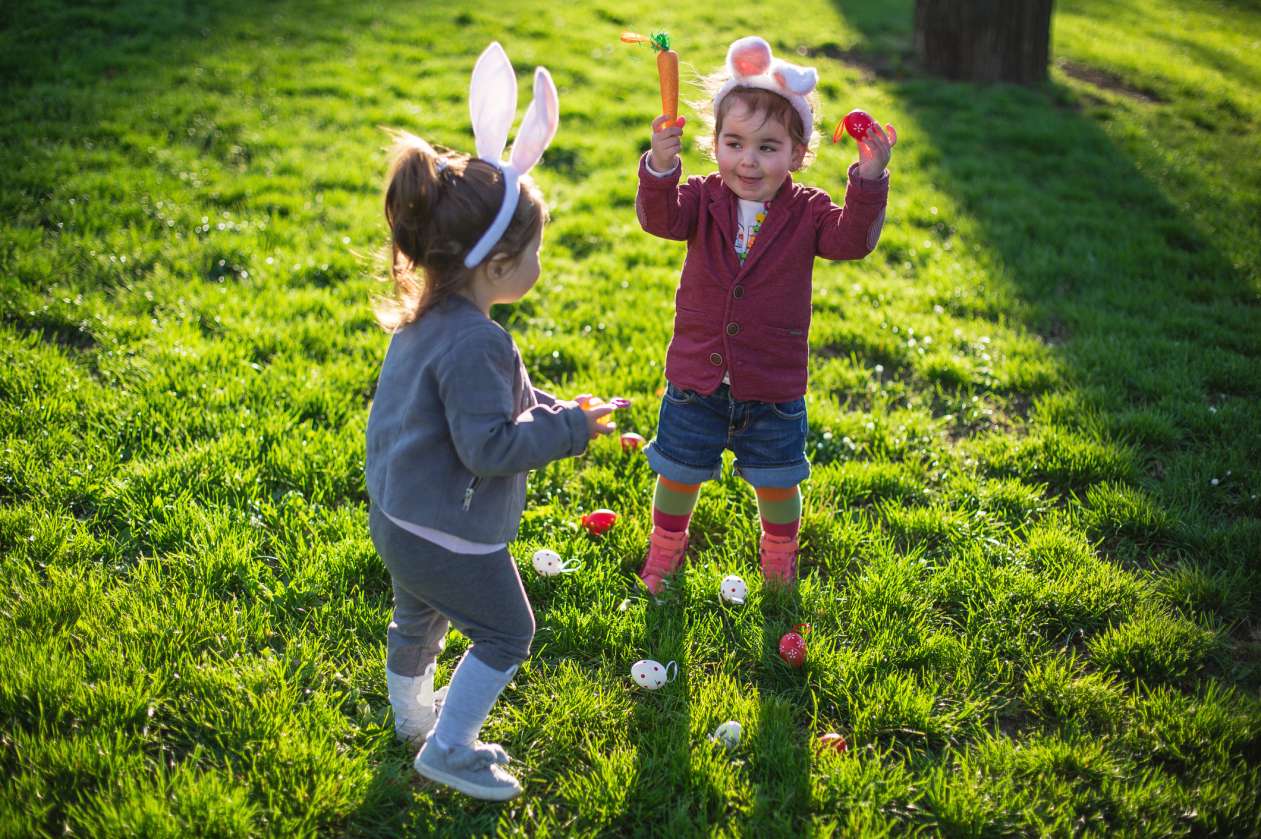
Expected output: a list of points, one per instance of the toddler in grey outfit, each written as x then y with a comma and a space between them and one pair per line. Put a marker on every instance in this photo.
454, 427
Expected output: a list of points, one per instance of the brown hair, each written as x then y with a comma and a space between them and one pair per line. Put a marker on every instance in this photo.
437, 205
757, 100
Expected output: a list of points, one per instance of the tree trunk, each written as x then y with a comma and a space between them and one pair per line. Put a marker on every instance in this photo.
984, 40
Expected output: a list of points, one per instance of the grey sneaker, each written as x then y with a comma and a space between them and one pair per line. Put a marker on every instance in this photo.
473, 770
414, 730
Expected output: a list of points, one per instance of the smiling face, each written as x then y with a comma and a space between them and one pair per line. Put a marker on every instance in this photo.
755, 152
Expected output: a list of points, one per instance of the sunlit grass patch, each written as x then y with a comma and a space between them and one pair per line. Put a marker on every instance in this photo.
1029, 538
1155, 648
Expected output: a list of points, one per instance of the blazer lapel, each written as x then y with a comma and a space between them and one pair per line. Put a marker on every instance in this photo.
723, 208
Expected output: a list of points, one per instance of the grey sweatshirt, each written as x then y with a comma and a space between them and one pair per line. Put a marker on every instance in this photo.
455, 425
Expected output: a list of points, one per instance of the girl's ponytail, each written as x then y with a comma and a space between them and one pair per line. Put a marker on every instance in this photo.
413, 192
437, 205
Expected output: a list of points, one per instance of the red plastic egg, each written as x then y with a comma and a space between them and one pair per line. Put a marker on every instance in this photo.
832, 740
598, 521
632, 441
856, 122
792, 647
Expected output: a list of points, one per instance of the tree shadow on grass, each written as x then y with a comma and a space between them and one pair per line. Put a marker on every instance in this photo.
1155, 335
1146, 432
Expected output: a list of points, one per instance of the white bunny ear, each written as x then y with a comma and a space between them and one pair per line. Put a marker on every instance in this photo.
799, 80
539, 126
749, 56
492, 101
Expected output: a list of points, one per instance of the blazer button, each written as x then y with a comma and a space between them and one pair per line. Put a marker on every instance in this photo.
733, 328
715, 359
737, 292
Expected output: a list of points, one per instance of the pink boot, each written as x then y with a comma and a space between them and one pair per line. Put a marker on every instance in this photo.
665, 554
779, 559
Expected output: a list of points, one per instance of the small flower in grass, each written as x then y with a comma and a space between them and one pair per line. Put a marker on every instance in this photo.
1214, 482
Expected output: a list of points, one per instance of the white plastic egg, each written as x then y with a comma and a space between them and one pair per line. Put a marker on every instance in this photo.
728, 734
548, 563
650, 675
733, 589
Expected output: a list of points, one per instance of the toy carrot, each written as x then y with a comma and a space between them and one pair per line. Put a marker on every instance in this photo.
667, 71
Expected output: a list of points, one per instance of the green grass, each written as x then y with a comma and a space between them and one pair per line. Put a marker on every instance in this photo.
1031, 539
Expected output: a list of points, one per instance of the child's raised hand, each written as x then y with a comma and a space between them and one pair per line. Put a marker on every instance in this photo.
875, 149
667, 143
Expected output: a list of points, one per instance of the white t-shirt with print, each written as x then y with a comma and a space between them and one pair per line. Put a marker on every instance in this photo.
752, 214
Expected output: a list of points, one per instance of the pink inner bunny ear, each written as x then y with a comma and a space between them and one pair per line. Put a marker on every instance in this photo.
749, 56
492, 101
540, 123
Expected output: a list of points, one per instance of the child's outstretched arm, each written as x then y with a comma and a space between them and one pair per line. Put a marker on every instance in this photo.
475, 383
665, 208
852, 231
595, 416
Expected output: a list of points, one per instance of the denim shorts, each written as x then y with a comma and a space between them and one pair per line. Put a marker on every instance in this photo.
768, 438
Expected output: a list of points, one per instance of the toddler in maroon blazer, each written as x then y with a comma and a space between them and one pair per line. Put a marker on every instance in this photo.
736, 366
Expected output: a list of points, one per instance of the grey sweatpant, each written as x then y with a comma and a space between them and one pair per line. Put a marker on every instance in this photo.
481, 595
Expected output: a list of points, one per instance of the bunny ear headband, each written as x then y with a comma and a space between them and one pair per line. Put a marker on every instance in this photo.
493, 106
751, 65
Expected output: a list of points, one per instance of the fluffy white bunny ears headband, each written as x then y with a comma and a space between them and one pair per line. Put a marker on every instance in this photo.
493, 106
751, 65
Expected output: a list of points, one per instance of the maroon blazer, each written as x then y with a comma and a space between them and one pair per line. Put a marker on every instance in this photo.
752, 321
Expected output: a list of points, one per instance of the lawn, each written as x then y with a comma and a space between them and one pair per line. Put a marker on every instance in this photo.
1031, 539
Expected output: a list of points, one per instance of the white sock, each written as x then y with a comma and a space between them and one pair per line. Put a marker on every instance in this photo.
411, 697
